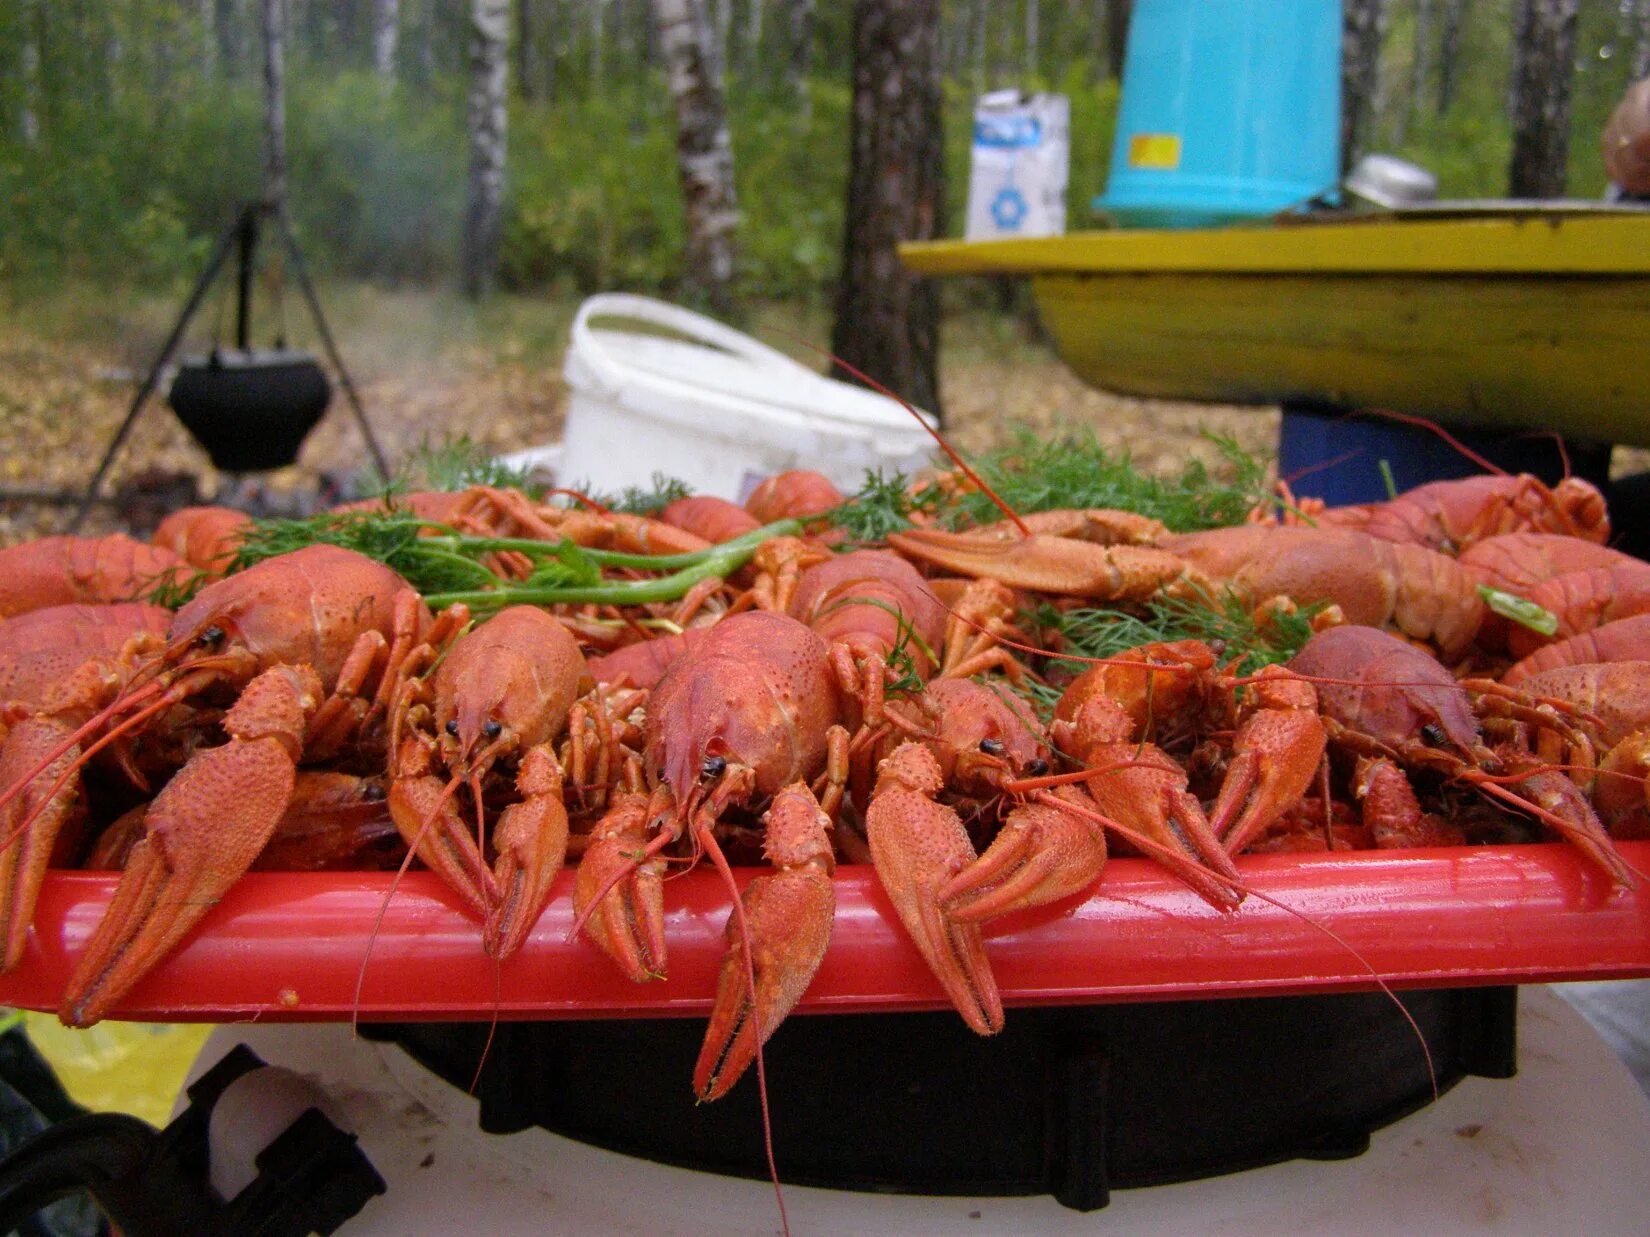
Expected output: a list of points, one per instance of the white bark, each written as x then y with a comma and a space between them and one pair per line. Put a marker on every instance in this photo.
386, 37
597, 35
489, 82
704, 151
274, 24
208, 10
1361, 30
1419, 69
28, 116
1545, 68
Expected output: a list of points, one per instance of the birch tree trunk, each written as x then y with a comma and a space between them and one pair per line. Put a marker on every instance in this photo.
887, 320
489, 80
1541, 98
274, 24
386, 36
1363, 24
1449, 51
597, 35
704, 151
1419, 69
208, 10
28, 112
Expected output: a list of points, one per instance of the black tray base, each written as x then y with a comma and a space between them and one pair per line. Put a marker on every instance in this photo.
1071, 1101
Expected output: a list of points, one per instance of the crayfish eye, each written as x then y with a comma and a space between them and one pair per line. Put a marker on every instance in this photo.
452, 727
1432, 735
492, 730
992, 747
1036, 768
713, 766
210, 637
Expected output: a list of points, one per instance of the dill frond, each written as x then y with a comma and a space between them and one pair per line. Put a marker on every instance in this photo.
1075, 470
1243, 641
457, 463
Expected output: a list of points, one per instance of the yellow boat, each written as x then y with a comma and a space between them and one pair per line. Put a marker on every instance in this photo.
1522, 318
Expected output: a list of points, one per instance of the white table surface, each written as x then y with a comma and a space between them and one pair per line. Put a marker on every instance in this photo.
1563, 1147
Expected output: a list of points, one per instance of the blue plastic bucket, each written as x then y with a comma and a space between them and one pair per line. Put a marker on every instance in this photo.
1230, 109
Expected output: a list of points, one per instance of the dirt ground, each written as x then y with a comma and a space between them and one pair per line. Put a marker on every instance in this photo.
429, 369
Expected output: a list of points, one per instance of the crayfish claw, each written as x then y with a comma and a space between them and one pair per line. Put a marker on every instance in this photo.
619, 894
787, 914
1040, 855
917, 846
424, 815
30, 822
531, 840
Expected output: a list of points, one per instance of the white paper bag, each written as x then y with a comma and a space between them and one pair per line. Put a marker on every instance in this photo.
1021, 156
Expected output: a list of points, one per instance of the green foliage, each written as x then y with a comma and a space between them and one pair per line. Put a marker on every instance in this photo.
148, 138
1075, 470
456, 463
593, 201
1242, 643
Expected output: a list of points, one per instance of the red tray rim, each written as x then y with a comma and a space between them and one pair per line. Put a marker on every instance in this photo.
1423, 918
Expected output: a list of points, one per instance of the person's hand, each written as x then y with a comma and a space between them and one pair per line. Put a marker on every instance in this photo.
1625, 144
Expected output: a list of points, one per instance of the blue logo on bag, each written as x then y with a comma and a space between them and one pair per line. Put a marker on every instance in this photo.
1008, 209
1007, 132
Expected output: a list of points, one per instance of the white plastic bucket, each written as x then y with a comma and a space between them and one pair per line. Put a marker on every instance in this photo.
696, 400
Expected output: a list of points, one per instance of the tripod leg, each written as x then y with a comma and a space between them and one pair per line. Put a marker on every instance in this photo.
332, 348
225, 242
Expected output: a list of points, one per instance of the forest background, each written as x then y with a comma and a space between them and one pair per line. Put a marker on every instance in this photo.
130, 128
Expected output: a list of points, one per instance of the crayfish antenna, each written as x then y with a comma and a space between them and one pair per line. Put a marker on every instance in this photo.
1151, 845
721, 862
951, 452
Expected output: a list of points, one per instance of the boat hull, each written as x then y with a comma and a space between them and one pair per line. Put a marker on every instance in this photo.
1520, 320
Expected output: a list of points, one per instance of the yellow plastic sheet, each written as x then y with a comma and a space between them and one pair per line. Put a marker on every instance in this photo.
131, 1067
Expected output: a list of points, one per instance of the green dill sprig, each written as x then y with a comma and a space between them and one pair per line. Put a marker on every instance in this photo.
1243, 642
883, 505
457, 463
646, 500
447, 566
1075, 471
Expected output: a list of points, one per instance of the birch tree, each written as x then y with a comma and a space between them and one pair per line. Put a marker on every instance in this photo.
1420, 67
208, 10
489, 79
1546, 37
274, 25
28, 114
887, 320
704, 151
1363, 23
386, 36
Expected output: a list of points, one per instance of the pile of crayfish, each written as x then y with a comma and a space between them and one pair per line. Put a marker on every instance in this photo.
744, 684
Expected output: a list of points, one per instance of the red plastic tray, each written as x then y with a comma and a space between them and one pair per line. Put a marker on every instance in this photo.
293, 946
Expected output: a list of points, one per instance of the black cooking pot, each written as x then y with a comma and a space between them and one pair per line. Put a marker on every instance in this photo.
251, 411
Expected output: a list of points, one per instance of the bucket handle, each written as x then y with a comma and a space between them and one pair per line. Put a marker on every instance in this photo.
693, 326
